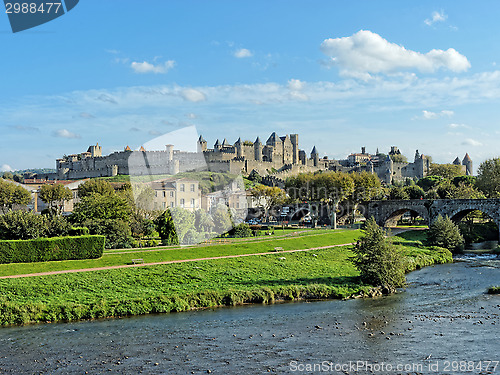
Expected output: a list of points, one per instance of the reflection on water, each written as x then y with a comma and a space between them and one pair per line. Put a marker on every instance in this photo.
444, 315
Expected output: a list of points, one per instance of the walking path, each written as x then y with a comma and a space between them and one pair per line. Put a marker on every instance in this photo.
166, 262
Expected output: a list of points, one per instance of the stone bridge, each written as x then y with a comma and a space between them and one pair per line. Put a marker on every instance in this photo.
387, 213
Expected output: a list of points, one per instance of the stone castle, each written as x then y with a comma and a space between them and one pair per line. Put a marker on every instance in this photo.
277, 159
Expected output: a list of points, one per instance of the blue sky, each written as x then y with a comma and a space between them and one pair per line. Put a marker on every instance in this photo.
416, 74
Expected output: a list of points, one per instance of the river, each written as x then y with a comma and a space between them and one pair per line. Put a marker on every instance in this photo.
444, 323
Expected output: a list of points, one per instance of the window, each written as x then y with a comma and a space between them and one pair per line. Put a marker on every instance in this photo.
192, 202
192, 188
182, 187
183, 202
164, 204
164, 193
172, 204
171, 194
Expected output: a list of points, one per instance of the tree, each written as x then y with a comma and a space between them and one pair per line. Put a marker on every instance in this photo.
377, 259
12, 194
166, 228
90, 187
399, 158
444, 233
398, 192
54, 195
429, 182
22, 225
447, 171
488, 177
414, 192
268, 196
329, 187
366, 186
183, 221
203, 221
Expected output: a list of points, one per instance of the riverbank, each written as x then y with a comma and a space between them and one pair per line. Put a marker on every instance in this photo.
316, 274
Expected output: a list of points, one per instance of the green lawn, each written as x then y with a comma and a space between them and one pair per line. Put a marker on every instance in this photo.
315, 274
305, 240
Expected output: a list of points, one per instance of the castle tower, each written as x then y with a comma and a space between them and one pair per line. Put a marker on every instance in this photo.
294, 138
170, 152
217, 145
225, 143
417, 156
468, 165
238, 145
95, 150
202, 144
369, 166
315, 156
389, 164
457, 161
257, 146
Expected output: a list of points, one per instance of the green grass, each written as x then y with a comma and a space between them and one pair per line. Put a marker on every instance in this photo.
494, 290
305, 240
315, 274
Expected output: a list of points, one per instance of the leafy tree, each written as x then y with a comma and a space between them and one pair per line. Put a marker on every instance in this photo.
366, 186
22, 225
329, 187
54, 195
488, 177
377, 259
447, 171
183, 220
255, 176
222, 219
93, 186
203, 221
398, 192
414, 192
107, 215
268, 196
444, 233
166, 228
429, 182
12, 194
242, 230
465, 180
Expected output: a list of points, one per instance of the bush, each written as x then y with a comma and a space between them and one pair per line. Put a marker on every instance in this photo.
47, 249
444, 233
21, 225
241, 230
377, 259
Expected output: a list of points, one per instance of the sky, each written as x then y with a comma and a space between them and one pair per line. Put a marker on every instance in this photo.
342, 74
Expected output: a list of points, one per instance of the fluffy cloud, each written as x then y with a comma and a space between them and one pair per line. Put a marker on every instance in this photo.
145, 67
471, 142
193, 95
242, 53
428, 115
436, 17
65, 133
458, 126
366, 52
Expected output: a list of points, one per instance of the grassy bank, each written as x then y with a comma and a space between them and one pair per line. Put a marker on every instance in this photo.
303, 240
494, 290
325, 273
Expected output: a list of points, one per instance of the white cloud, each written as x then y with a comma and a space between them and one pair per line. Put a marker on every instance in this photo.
191, 115
86, 115
193, 95
471, 142
436, 17
428, 115
295, 84
64, 133
6, 168
458, 126
366, 53
145, 67
242, 53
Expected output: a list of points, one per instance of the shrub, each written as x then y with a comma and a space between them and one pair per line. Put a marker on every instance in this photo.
47, 249
242, 230
444, 233
377, 259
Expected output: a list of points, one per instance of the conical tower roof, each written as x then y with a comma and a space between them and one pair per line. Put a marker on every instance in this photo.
238, 141
314, 151
466, 158
456, 161
273, 139
142, 148
225, 143
217, 144
201, 139
257, 141
127, 148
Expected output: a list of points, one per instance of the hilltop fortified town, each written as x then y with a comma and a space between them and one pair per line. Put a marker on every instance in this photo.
276, 159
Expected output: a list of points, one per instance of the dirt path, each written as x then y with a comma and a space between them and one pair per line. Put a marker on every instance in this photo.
166, 262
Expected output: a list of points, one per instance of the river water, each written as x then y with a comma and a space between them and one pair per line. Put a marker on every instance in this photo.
444, 323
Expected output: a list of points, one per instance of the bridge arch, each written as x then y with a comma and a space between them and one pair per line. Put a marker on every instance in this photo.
393, 216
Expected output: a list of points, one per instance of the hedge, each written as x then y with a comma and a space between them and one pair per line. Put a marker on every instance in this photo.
55, 248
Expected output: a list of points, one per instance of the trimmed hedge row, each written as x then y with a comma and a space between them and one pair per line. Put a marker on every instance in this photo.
55, 248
